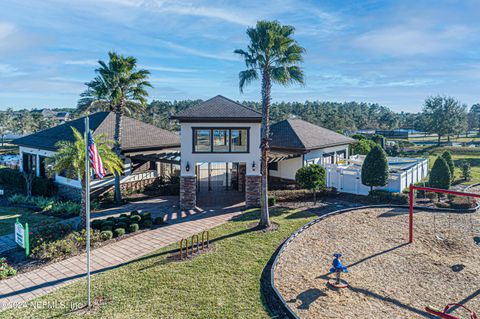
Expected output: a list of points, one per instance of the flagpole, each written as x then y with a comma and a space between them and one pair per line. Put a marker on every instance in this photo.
87, 205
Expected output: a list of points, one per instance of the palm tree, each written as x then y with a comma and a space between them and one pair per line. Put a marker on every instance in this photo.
275, 55
118, 87
70, 160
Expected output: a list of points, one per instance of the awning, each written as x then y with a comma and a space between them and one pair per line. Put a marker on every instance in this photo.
167, 157
277, 156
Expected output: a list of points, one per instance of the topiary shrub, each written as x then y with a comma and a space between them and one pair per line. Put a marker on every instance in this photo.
111, 218
135, 218
146, 215
133, 228
106, 228
106, 235
440, 175
312, 177
108, 223
451, 166
466, 170
159, 221
375, 168
118, 232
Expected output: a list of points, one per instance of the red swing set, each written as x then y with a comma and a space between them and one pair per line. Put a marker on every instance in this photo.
440, 313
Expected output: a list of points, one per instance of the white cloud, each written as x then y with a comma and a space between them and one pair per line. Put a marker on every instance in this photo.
81, 62
192, 51
6, 29
413, 38
6, 70
168, 69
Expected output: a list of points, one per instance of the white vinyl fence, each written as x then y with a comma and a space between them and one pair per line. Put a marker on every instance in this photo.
347, 179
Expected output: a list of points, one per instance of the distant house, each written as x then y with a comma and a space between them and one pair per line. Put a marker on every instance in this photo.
62, 116
148, 151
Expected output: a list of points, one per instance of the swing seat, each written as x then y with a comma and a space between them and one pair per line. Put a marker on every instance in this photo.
443, 314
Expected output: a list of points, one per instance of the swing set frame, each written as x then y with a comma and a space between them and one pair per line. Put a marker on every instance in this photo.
413, 188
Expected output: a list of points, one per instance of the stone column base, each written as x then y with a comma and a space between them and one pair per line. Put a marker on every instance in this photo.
252, 191
188, 192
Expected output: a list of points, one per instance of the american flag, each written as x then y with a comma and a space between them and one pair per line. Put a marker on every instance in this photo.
95, 159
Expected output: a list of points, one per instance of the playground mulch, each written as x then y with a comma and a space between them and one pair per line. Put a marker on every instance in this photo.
388, 278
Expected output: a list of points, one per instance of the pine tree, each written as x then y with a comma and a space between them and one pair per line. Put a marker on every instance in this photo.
440, 175
375, 168
451, 166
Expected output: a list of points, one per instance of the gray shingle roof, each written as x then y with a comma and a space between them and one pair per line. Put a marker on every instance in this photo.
136, 135
219, 109
301, 135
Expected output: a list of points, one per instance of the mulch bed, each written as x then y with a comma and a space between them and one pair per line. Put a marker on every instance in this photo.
388, 278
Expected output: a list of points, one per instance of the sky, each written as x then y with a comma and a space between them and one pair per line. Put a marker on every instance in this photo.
395, 53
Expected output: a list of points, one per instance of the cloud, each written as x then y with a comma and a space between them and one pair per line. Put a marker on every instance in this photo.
6, 70
81, 62
200, 53
413, 38
168, 69
6, 29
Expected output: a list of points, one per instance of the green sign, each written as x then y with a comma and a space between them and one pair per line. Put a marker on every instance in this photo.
22, 237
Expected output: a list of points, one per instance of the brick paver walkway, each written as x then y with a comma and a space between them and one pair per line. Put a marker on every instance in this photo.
27, 286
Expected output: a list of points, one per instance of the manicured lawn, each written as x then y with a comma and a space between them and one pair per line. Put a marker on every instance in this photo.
8, 216
223, 283
473, 159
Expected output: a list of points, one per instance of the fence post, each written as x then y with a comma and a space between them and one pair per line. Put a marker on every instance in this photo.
410, 238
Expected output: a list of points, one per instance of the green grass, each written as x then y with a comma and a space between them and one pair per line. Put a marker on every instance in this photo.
473, 159
223, 283
8, 215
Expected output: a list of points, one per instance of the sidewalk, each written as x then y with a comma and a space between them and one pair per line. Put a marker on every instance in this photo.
27, 286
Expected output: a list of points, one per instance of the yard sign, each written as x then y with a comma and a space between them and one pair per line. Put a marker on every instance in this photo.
22, 237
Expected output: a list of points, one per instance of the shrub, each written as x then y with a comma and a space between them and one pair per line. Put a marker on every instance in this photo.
111, 218
146, 215
121, 225
147, 223
389, 197
431, 195
312, 177
298, 194
6, 270
440, 176
135, 218
118, 232
358, 137
106, 235
442, 205
461, 202
375, 168
123, 215
106, 228
159, 221
133, 228
134, 212
466, 170
108, 223
65, 209
43, 187
97, 224
272, 201
451, 166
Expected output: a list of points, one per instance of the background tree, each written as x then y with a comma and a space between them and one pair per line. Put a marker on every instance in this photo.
440, 174
451, 165
274, 55
363, 147
70, 159
444, 116
474, 117
312, 177
118, 87
358, 137
375, 168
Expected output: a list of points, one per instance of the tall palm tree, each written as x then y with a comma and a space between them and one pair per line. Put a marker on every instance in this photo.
274, 55
119, 87
70, 160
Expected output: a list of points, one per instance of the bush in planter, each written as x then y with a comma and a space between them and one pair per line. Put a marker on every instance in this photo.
106, 235
133, 228
147, 223
118, 232
159, 221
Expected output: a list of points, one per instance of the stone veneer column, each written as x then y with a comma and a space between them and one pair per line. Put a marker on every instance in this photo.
188, 192
252, 191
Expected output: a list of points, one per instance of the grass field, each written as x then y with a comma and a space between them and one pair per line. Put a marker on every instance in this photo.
222, 283
8, 215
